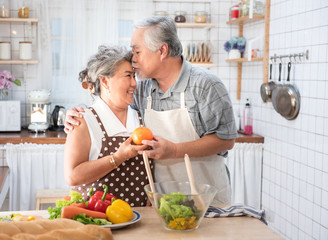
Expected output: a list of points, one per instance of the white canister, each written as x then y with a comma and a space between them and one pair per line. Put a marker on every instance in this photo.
5, 50
234, 54
25, 50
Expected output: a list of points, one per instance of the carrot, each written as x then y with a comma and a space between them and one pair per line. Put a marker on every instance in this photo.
70, 212
67, 198
81, 205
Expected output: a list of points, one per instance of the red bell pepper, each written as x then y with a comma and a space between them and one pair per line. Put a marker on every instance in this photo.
99, 204
109, 196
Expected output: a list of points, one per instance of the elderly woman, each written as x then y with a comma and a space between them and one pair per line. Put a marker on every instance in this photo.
99, 150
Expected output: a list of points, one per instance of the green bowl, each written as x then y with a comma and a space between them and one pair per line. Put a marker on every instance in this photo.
178, 209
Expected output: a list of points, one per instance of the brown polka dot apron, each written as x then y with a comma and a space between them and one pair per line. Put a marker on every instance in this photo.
128, 180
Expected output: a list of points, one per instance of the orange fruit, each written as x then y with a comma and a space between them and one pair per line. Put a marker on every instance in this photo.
141, 133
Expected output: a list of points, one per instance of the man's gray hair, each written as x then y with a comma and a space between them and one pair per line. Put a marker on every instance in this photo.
161, 30
104, 64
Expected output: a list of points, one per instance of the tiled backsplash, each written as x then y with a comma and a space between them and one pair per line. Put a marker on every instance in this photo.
295, 162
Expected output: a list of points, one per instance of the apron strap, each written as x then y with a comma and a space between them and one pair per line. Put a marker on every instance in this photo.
149, 102
182, 100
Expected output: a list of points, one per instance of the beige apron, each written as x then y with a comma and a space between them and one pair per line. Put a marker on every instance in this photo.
176, 126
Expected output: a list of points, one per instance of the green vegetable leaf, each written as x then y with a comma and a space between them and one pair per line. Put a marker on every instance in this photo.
174, 206
54, 212
82, 218
75, 196
63, 203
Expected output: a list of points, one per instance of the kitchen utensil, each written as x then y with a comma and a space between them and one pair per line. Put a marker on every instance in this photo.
288, 99
276, 90
174, 196
193, 189
58, 118
267, 88
150, 176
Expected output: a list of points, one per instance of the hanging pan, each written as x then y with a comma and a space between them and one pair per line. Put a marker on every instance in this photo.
267, 88
276, 89
288, 99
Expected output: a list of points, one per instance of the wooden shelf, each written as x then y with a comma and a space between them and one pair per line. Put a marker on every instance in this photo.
240, 22
19, 61
246, 19
205, 65
195, 25
245, 60
23, 20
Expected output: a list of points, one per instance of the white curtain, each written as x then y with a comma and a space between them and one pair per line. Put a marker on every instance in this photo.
33, 167
245, 165
78, 27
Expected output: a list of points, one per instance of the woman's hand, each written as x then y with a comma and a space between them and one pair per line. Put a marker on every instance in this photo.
161, 148
127, 151
70, 120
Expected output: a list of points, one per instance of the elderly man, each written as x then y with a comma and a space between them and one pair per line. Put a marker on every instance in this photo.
187, 108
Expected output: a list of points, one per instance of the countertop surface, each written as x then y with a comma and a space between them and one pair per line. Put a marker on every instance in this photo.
149, 227
53, 137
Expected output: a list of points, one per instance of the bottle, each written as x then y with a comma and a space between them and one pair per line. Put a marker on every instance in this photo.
180, 16
4, 9
201, 17
23, 11
248, 118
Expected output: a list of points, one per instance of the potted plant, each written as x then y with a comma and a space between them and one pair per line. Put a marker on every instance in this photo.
6, 82
235, 46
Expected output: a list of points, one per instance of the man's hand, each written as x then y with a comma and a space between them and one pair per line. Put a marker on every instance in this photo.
162, 148
70, 122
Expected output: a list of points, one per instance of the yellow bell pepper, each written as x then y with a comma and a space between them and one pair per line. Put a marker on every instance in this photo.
119, 212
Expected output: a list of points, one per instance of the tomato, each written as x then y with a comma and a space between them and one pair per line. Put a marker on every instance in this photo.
141, 133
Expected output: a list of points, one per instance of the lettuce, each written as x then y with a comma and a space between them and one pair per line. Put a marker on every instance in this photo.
82, 218
75, 196
173, 206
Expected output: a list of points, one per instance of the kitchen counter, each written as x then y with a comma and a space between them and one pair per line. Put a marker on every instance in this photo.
149, 227
53, 137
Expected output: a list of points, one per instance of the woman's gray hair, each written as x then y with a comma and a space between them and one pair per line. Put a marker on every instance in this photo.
161, 30
104, 64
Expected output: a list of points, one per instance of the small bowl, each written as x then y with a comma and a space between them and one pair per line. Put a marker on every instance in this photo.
178, 209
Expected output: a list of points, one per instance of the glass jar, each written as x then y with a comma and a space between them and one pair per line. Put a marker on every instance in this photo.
161, 13
244, 9
23, 11
180, 16
234, 12
259, 8
201, 17
25, 50
4, 9
5, 50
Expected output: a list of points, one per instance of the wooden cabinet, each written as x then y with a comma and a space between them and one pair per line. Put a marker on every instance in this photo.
244, 20
28, 24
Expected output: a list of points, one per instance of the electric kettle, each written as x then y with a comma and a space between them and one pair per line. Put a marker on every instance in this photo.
58, 118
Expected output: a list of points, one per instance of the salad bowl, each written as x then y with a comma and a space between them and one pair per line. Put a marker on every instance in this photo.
177, 208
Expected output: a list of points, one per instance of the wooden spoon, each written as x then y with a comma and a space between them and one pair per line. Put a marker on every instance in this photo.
150, 176
193, 188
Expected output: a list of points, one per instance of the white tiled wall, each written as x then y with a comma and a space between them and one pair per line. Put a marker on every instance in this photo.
295, 162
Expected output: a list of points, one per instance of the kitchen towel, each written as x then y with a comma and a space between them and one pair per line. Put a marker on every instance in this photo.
235, 211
